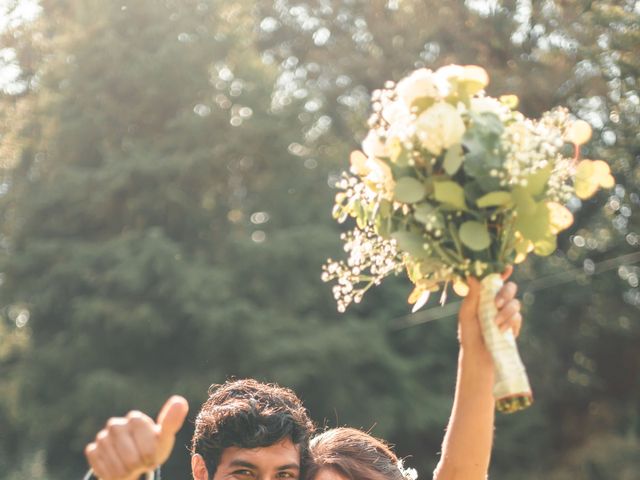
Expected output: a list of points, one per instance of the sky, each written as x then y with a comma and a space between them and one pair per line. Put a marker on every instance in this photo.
25, 10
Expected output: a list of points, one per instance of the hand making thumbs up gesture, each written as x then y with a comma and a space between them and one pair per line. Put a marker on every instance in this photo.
129, 446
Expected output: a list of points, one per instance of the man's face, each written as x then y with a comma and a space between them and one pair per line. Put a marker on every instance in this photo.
278, 461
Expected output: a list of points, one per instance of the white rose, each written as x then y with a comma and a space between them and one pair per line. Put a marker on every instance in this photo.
439, 127
372, 146
446, 74
421, 83
395, 112
475, 77
450, 71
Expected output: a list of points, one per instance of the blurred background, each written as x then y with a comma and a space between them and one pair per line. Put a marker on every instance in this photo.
167, 172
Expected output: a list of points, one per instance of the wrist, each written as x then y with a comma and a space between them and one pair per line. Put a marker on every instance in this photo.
476, 356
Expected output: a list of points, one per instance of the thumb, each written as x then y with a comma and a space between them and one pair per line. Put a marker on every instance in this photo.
172, 415
470, 303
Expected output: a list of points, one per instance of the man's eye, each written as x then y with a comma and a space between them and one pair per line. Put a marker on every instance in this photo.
243, 473
287, 475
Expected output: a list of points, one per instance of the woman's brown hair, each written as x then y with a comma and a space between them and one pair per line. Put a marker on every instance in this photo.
354, 454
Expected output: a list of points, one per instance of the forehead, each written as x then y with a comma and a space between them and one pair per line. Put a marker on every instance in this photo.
282, 453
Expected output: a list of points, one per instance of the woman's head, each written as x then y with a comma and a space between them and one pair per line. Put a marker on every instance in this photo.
350, 454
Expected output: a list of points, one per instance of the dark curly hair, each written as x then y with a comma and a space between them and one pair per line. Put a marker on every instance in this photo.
249, 414
354, 454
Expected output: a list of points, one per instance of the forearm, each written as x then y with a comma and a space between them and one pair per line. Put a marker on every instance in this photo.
466, 449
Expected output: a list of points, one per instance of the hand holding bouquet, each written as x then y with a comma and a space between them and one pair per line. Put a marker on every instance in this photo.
452, 183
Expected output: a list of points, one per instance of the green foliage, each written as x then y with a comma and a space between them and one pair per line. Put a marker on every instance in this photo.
494, 199
452, 160
475, 235
449, 193
408, 190
132, 170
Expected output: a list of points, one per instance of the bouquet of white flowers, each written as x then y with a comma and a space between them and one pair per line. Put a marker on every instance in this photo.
452, 183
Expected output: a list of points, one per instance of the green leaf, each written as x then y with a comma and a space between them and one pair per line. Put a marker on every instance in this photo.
482, 141
410, 242
427, 214
488, 183
488, 123
494, 199
453, 159
545, 246
525, 204
535, 226
450, 193
472, 190
536, 182
475, 235
423, 212
428, 266
409, 190
403, 159
382, 227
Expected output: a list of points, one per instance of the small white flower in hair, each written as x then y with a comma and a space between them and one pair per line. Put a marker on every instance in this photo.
408, 473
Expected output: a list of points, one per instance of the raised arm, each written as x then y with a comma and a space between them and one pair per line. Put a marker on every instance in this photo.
129, 446
466, 450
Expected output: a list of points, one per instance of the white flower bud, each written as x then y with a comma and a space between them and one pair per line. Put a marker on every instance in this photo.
372, 146
421, 83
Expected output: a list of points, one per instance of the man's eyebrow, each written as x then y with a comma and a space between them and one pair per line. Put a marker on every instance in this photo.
242, 463
245, 464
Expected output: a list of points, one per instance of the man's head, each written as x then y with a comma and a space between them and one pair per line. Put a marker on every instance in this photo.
246, 425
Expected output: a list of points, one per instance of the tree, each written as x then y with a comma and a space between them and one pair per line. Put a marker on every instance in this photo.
156, 223
165, 212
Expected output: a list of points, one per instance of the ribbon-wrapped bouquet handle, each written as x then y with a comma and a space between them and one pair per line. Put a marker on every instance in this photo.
511, 388
452, 183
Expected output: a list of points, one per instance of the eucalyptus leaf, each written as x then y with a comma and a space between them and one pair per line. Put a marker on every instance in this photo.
409, 190
475, 235
488, 183
482, 142
495, 199
423, 212
382, 226
473, 190
361, 216
410, 242
450, 193
382, 209
525, 204
428, 215
535, 226
428, 266
536, 182
488, 123
403, 159
453, 159
545, 246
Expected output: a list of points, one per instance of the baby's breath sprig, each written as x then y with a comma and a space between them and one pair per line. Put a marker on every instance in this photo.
371, 259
